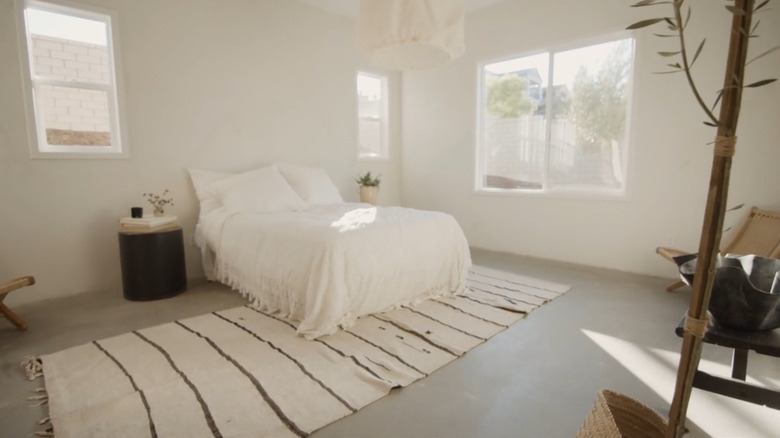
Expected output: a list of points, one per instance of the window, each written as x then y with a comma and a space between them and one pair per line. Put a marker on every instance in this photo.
71, 83
556, 122
372, 116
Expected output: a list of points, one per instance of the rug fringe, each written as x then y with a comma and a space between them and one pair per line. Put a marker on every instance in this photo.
42, 398
46, 432
33, 367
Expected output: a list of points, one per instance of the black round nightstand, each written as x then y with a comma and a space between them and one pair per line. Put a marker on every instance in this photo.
152, 264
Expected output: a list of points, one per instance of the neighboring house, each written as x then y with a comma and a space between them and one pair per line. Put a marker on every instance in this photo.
560, 97
534, 80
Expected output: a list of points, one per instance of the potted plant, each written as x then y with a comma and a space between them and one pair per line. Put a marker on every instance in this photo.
159, 202
730, 100
369, 186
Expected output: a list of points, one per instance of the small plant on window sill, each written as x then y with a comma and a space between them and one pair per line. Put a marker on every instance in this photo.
368, 181
159, 202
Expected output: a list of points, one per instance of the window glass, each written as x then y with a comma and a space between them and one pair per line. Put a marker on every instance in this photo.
72, 80
74, 116
568, 136
372, 116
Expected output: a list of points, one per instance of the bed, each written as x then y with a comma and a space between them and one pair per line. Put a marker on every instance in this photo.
283, 237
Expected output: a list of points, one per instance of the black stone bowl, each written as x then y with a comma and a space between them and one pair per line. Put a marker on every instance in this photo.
745, 291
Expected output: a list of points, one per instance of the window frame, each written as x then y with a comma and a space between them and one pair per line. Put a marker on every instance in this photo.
384, 119
546, 191
39, 146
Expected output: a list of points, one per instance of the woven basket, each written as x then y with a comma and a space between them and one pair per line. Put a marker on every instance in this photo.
617, 416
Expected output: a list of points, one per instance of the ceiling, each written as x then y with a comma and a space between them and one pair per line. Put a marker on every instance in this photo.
349, 8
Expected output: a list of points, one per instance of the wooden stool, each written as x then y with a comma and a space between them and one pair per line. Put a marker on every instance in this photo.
5, 289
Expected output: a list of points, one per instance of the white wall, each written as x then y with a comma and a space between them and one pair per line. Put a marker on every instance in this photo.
669, 163
226, 85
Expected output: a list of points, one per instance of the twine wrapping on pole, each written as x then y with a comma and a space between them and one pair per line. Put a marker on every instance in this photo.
725, 146
696, 327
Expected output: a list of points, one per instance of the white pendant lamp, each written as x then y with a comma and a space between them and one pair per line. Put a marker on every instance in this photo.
410, 34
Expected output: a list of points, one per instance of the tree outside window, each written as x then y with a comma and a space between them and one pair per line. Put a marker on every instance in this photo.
568, 136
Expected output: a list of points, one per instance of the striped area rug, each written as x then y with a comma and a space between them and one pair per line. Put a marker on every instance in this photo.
244, 373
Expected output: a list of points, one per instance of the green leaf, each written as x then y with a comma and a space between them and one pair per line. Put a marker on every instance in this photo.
736, 207
755, 26
763, 54
698, 52
710, 124
649, 3
667, 54
672, 24
665, 36
675, 65
761, 5
735, 10
666, 72
644, 23
760, 83
687, 18
717, 99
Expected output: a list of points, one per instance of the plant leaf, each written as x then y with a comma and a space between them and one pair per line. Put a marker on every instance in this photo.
675, 65
755, 26
760, 6
644, 23
717, 99
710, 124
664, 36
735, 10
667, 54
666, 72
736, 207
672, 25
698, 52
687, 18
763, 54
760, 83
650, 3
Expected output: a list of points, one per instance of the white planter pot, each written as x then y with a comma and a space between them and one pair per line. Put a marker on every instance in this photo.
368, 194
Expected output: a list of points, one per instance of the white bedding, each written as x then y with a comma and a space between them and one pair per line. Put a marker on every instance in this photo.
327, 265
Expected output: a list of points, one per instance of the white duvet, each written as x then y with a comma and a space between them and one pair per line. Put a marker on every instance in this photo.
326, 266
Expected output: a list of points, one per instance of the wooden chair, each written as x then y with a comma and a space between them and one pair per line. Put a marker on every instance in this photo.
5, 289
758, 234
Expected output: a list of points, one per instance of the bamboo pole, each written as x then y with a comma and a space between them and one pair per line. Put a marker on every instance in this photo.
712, 226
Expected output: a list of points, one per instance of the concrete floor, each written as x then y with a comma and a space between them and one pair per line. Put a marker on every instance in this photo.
539, 378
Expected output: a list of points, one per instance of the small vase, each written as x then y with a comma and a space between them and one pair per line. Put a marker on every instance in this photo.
368, 194
158, 212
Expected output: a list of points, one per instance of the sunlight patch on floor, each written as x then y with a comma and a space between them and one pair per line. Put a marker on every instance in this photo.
657, 368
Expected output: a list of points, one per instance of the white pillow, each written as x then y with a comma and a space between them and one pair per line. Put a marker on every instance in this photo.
312, 184
202, 182
262, 190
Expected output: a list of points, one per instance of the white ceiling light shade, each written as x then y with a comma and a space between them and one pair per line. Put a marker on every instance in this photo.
410, 34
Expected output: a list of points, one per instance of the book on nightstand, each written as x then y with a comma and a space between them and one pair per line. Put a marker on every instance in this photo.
148, 224
142, 229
